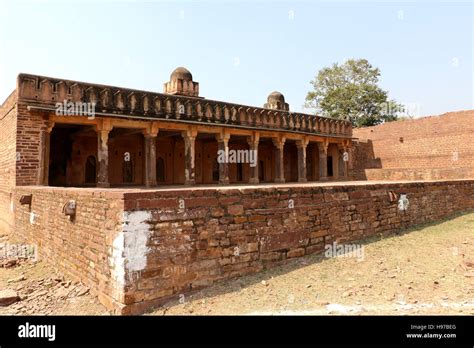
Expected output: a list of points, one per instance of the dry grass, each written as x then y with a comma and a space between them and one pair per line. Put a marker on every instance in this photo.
421, 271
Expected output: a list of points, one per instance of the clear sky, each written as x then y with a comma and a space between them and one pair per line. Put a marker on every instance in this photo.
240, 51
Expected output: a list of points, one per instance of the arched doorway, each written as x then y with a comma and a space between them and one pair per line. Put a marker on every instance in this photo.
160, 170
127, 169
240, 172
90, 170
261, 171
215, 171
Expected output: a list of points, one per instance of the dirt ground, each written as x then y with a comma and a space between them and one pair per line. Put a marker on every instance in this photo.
427, 270
44, 292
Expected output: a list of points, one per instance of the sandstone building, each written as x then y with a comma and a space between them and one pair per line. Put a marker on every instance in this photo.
129, 197
137, 138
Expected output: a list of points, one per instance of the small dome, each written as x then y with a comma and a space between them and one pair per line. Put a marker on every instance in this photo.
181, 83
182, 74
276, 101
276, 96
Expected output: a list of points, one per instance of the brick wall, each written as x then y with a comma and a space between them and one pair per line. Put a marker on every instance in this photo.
29, 146
8, 112
221, 234
430, 148
137, 249
80, 248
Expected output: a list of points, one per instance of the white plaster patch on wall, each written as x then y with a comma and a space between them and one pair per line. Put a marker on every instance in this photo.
33, 218
130, 248
136, 231
117, 261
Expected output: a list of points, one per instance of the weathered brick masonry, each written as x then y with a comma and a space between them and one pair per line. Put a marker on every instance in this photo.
8, 125
80, 248
429, 148
153, 139
21, 146
139, 248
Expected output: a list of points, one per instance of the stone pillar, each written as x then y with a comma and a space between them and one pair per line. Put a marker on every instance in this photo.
46, 149
315, 161
223, 156
344, 170
279, 159
323, 160
103, 130
150, 156
301, 146
340, 161
189, 137
253, 147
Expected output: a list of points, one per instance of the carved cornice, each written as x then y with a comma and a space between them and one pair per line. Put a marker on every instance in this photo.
115, 100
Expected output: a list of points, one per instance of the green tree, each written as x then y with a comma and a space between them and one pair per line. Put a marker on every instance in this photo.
350, 91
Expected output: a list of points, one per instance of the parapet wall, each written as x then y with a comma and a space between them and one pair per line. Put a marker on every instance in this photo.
429, 148
138, 249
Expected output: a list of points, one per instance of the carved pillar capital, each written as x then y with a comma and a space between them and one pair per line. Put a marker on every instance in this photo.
189, 133
279, 143
49, 126
323, 147
104, 124
253, 140
223, 137
302, 142
152, 130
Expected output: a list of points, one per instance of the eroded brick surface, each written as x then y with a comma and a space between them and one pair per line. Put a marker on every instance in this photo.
8, 124
136, 257
429, 148
197, 247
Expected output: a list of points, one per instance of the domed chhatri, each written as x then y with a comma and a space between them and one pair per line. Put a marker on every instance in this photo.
181, 73
276, 96
181, 83
276, 101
